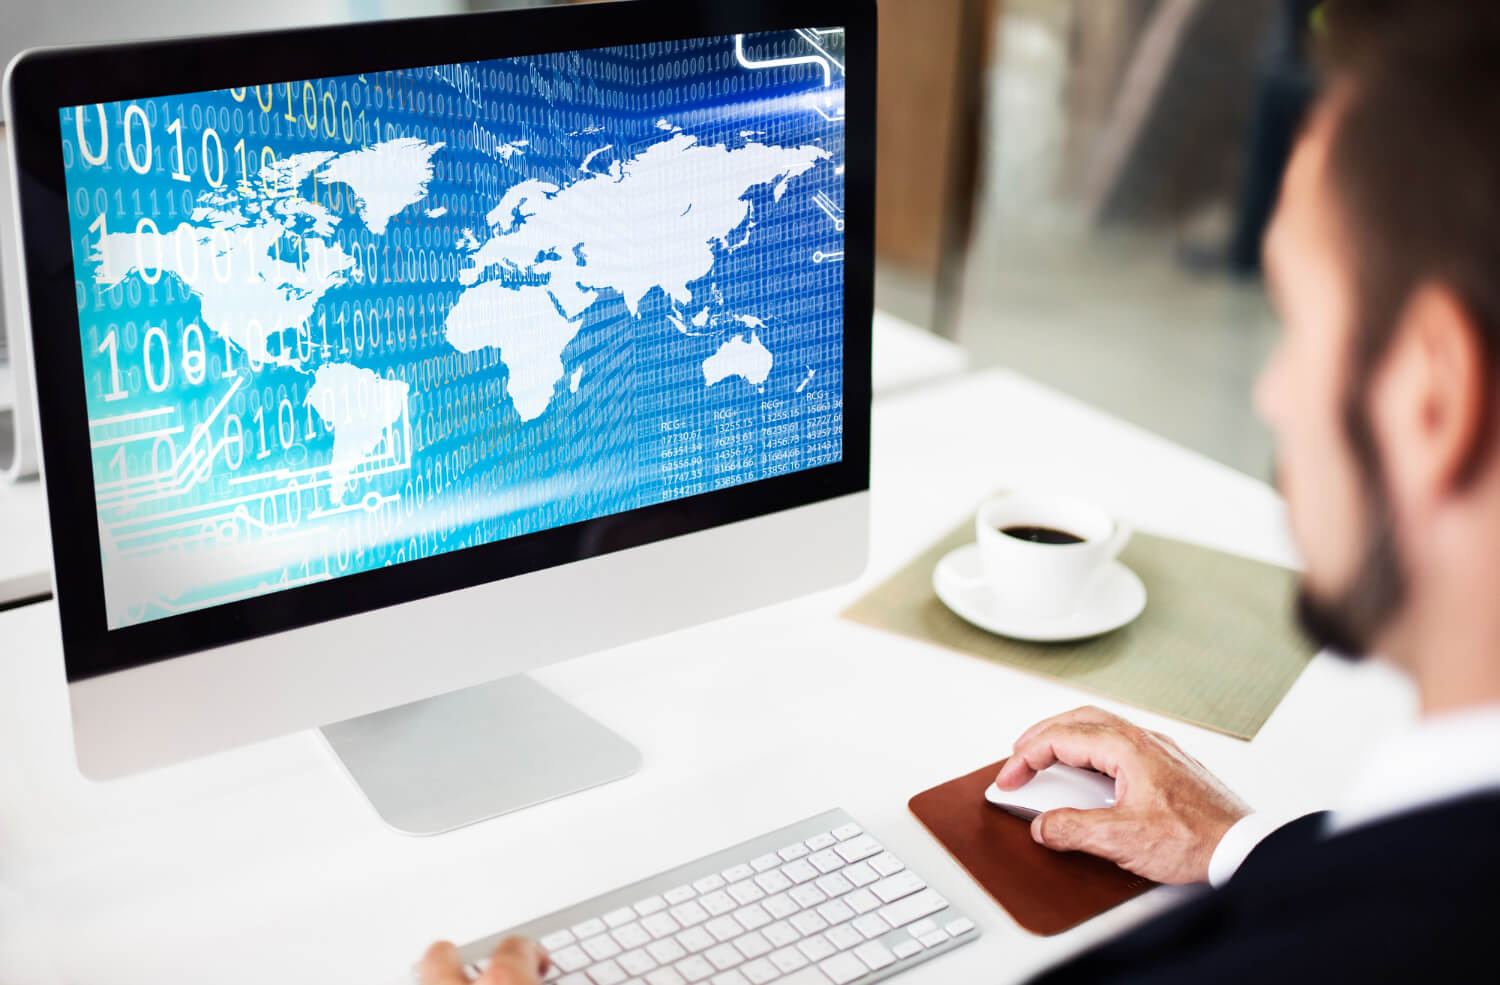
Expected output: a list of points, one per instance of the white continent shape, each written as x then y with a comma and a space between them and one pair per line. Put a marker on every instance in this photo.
651, 221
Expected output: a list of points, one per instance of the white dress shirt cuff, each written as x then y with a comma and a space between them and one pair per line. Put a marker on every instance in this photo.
1237, 844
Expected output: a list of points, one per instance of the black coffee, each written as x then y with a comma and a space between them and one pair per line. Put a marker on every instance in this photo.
1041, 535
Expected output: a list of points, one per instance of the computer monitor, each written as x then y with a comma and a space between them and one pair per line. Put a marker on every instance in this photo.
379, 362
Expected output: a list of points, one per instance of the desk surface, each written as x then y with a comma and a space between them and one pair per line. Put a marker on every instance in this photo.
264, 864
25, 544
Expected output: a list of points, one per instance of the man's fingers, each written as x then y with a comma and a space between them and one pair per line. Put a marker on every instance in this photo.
1097, 747
441, 965
1017, 773
1086, 715
516, 961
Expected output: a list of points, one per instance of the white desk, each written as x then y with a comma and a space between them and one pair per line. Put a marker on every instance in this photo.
264, 865
904, 357
25, 543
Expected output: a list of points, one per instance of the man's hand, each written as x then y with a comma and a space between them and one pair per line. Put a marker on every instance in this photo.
515, 961
1169, 813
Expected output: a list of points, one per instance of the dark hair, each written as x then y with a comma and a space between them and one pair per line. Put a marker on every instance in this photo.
1414, 165
1415, 157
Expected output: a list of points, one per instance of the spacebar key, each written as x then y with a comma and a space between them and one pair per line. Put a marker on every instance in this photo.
903, 912
806, 976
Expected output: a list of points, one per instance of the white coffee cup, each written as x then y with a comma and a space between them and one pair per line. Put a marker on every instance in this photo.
1044, 579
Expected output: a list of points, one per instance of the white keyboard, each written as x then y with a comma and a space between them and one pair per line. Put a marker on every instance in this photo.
819, 902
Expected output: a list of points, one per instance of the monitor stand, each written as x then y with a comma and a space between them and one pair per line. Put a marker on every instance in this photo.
444, 762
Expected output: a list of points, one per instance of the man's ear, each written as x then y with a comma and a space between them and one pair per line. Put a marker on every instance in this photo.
1430, 399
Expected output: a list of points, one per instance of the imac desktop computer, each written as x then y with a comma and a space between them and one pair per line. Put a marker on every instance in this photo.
378, 364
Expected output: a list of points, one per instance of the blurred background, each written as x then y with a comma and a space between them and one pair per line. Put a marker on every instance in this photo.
1074, 189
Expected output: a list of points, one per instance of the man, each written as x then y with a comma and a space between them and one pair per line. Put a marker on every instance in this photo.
1384, 261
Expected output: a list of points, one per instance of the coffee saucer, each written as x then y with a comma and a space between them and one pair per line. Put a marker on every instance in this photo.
1113, 599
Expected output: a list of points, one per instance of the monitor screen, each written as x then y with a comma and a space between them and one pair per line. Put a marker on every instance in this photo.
335, 324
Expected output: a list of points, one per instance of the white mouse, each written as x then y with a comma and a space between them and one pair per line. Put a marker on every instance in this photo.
1057, 786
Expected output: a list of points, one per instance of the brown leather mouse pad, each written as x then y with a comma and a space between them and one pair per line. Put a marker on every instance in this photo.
1046, 892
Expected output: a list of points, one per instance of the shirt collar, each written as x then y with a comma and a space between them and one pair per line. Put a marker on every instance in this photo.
1440, 758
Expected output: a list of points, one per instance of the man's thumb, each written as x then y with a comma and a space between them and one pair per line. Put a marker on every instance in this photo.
1062, 830
441, 965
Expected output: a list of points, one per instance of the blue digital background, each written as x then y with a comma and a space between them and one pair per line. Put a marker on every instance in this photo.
212, 472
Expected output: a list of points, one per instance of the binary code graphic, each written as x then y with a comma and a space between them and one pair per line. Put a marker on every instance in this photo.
334, 324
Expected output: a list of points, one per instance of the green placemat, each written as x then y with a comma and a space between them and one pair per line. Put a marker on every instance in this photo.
1216, 646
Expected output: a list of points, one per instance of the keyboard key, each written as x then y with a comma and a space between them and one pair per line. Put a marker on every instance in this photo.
816, 948
905, 949
607, 973
808, 922
781, 906
731, 977
746, 892
959, 927
650, 905
695, 939
666, 951
800, 871
679, 895
870, 925
689, 913
576, 978
709, 883
844, 937
630, 936
793, 852
885, 863
601, 947
935, 938
875, 955
589, 928
860, 874
557, 940
723, 957
736, 873
660, 925
766, 862
724, 928
788, 960
826, 861
834, 885
862, 901
846, 831
781, 933
858, 848
820, 842
695, 968
772, 882
760, 971
808, 895
843, 968
753, 945
892, 888
903, 912
619, 918
717, 903
924, 926
665, 976
637, 962
835, 911
570, 959
752, 917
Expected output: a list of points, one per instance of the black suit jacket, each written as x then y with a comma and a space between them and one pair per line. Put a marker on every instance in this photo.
1412, 899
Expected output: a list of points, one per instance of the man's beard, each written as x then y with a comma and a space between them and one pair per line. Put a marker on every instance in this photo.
1349, 622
